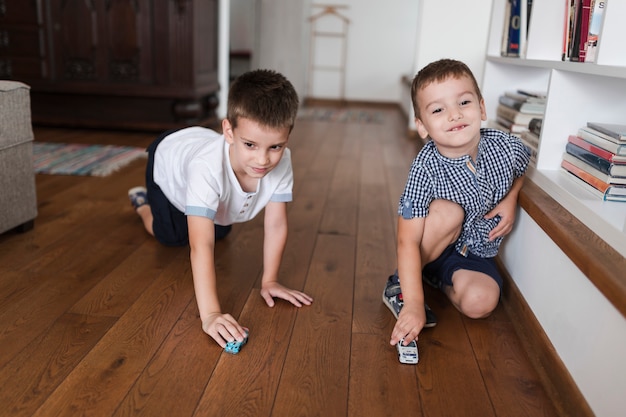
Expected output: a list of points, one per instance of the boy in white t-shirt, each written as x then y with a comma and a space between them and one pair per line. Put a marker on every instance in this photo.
199, 182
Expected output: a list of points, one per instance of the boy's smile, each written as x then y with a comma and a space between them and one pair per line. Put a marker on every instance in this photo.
451, 114
255, 150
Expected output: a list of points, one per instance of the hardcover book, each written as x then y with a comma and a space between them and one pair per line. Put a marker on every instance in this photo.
575, 41
513, 45
608, 192
514, 116
510, 126
568, 30
522, 105
584, 29
531, 138
533, 94
595, 27
601, 164
535, 125
525, 97
614, 130
596, 150
591, 170
602, 140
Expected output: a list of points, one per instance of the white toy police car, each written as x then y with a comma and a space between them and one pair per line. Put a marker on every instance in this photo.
407, 354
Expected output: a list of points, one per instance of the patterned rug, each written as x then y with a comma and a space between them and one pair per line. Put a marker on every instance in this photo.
78, 159
322, 114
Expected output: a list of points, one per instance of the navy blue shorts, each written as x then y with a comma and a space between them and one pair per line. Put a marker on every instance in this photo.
169, 224
450, 261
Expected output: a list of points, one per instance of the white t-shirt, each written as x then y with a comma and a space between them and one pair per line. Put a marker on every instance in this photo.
193, 169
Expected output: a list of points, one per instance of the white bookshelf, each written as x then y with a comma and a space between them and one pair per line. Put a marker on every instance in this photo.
577, 93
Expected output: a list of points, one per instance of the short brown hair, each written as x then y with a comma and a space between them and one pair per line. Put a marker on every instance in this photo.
440, 71
264, 96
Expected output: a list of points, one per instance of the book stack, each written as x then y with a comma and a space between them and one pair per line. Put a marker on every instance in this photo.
583, 24
531, 137
515, 30
517, 109
596, 156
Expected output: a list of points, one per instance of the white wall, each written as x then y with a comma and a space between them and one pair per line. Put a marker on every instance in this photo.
282, 38
456, 29
242, 24
586, 330
380, 40
386, 40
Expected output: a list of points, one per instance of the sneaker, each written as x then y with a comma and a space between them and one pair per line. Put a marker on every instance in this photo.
392, 297
138, 196
432, 281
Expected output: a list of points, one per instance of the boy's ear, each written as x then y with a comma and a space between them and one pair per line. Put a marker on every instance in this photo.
421, 129
483, 111
227, 129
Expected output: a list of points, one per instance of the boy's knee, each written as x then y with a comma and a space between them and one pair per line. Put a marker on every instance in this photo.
478, 303
476, 296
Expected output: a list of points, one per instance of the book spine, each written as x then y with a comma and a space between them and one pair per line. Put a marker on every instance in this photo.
510, 102
585, 176
504, 45
523, 31
584, 29
573, 48
531, 138
595, 161
513, 47
514, 116
603, 141
595, 27
596, 150
565, 31
608, 132
535, 125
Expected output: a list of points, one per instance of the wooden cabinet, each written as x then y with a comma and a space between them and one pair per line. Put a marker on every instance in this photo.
148, 64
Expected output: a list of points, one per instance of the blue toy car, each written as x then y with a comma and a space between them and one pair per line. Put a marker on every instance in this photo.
407, 354
234, 347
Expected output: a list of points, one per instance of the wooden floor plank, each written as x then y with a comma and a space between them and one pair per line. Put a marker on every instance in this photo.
102, 379
77, 267
379, 384
40, 367
315, 375
245, 384
119, 289
503, 365
447, 368
173, 381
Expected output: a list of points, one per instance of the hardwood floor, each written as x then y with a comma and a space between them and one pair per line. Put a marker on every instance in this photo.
98, 319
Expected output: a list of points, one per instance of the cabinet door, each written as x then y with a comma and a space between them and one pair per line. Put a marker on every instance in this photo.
22, 52
103, 41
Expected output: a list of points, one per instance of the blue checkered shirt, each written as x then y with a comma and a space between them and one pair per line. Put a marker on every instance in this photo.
477, 187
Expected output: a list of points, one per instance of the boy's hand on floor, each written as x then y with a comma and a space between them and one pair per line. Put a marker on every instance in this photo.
271, 290
223, 328
410, 323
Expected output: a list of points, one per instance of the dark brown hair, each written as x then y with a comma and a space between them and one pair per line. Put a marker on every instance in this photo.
264, 96
439, 71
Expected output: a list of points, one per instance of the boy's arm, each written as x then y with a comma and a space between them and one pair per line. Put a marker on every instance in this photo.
412, 317
275, 237
221, 327
506, 208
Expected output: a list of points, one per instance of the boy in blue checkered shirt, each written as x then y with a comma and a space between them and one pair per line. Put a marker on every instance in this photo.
458, 203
